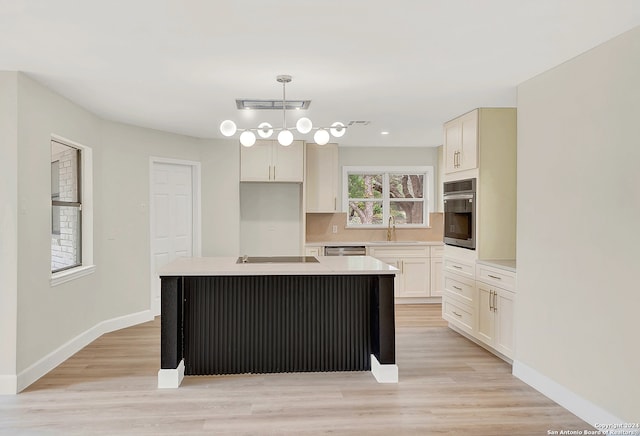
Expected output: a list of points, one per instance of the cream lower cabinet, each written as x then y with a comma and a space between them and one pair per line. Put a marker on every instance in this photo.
495, 318
459, 301
413, 284
481, 304
310, 250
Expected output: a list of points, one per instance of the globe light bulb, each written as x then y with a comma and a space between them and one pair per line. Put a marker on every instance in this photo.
228, 128
265, 130
338, 129
247, 138
285, 137
321, 137
304, 125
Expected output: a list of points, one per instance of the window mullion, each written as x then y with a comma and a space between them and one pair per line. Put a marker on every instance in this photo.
386, 205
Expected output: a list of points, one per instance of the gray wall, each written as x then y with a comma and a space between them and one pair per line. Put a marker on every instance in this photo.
8, 229
578, 213
48, 317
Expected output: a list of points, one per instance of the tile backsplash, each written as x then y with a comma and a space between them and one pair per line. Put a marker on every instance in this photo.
320, 225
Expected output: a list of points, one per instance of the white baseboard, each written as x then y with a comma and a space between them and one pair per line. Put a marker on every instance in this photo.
171, 378
582, 408
56, 357
8, 384
384, 373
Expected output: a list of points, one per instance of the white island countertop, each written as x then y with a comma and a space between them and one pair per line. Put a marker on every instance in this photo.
227, 266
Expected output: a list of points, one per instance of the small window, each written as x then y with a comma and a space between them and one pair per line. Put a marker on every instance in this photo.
66, 207
373, 195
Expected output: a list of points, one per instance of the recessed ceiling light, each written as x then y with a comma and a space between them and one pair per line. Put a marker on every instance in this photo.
384, 132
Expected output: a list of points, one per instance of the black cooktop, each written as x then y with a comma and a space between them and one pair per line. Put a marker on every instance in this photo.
277, 259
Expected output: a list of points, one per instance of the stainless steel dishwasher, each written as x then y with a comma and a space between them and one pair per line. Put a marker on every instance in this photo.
345, 250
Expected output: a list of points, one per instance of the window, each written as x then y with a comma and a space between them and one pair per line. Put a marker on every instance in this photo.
372, 195
71, 221
66, 207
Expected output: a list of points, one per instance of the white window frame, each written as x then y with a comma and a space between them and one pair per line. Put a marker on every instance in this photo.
86, 266
386, 200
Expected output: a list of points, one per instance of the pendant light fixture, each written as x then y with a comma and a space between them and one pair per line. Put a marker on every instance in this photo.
304, 125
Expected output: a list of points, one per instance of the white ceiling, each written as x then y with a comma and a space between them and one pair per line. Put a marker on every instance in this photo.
405, 65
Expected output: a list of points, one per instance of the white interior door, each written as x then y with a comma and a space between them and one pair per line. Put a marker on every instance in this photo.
172, 219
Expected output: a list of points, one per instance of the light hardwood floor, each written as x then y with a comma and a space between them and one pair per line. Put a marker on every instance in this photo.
448, 385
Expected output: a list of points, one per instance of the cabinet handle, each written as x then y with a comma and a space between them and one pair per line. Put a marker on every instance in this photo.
456, 266
457, 314
269, 172
455, 287
335, 203
495, 301
274, 172
494, 277
491, 301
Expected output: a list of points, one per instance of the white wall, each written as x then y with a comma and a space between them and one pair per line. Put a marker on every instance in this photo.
578, 300
220, 197
270, 220
48, 319
8, 229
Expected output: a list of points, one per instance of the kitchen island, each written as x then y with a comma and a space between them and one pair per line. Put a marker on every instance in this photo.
221, 315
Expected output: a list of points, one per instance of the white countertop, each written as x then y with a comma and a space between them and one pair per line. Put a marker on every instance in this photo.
227, 266
506, 264
370, 243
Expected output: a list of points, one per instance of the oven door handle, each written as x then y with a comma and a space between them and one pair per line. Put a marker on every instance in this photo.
458, 197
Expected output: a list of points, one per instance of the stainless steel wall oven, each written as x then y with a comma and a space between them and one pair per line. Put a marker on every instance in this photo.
460, 213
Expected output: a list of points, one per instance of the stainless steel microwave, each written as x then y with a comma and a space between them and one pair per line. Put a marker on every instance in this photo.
460, 213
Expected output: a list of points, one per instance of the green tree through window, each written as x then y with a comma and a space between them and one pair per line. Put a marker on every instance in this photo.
374, 196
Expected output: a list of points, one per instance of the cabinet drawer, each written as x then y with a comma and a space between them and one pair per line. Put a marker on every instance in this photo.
459, 267
458, 313
314, 251
495, 276
399, 251
459, 287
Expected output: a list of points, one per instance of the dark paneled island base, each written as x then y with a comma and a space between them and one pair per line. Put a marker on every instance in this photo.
235, 324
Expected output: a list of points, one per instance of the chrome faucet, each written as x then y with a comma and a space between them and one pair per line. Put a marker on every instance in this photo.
391, 218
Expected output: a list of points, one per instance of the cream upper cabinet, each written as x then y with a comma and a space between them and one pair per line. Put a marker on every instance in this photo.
268, 161
461, 143
322, 178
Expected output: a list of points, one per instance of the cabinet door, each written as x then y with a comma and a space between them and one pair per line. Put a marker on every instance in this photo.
288, 163
255, 162
437, 279
503, 341
322, 178
452, 145
415, 277
468, 158
485, 328
399, 280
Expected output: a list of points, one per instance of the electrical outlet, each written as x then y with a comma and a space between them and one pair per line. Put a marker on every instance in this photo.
335, 229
